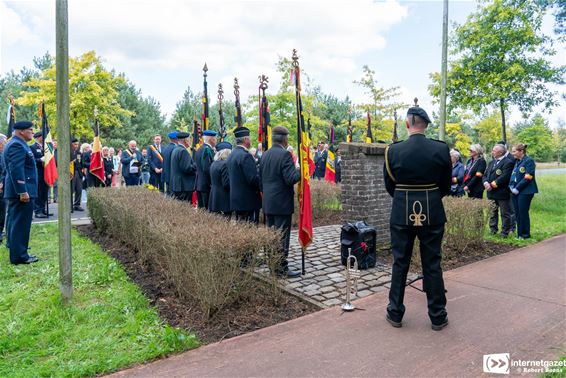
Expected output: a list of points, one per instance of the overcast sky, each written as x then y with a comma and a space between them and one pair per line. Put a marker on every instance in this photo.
162, 45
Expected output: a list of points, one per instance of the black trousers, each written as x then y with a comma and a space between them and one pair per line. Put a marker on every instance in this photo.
505, 208
283, 224
20, 215
76, 190
402, 241
156, 180
42, 191
2, 214
183, 196
132, 180
247, 216
475, 194
202, 199
522, 205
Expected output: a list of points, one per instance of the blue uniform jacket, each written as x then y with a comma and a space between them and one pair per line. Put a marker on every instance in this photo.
167, 161
21, 170
523, 176
244, 181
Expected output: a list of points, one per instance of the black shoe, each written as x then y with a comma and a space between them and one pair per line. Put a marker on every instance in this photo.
439, 327
393, 322
78, 208
48, 214
29, 260
40, 215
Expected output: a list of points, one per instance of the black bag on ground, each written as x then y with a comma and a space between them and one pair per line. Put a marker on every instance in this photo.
360, 238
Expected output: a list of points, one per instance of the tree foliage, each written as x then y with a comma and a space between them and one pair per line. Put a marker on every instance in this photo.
538, 136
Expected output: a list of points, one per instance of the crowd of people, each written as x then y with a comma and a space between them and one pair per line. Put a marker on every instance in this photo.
508, 180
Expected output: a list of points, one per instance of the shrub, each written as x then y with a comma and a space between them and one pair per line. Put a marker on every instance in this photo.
467, 219
325, 199
199, 253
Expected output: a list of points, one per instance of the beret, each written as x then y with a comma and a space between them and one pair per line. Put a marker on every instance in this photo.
209, 133
74, 140
172, 134
182, 135
22, 125
223, 146
418, 111
38, 134
280, 130
241, 132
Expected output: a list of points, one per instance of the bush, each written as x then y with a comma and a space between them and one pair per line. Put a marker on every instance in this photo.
467, 219
325, 198
199, 253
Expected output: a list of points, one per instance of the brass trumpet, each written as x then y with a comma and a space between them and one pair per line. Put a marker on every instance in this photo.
352, 275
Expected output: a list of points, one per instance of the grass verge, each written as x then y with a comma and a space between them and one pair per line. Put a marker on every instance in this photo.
548, 212
109, 325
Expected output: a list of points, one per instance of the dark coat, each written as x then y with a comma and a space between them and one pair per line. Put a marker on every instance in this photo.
498, 176
278, 177
320, 163
37, 150
523, 176
182, 177
155, 159
21, 169
244, 181
473, 174
338, 168
76, 158
167, 161
457, 188
220, 187
418, 173
108, 168
126, 158
203, 159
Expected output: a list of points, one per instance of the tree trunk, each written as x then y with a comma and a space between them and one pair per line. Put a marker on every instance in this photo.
502, 107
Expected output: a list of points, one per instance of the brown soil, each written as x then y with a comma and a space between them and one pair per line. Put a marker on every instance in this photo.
257, 312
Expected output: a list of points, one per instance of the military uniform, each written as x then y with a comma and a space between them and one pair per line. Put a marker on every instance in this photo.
278, 177
245, 199
167, 160
155, 159
523, 186
204, 157
21, 177
473, 177
418, 173
42, 188
182, 177
220, 184
320, 164
76, 178
497, 175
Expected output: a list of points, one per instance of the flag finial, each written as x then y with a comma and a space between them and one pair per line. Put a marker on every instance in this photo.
295, 58
416, 100
205, 70
263, 80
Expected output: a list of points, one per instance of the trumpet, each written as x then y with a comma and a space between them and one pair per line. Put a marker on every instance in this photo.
352, 275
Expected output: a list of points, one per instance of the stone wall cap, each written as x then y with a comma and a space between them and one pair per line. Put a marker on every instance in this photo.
364, 148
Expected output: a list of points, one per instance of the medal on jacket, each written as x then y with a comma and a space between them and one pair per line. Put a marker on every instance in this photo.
522, 169
498, 172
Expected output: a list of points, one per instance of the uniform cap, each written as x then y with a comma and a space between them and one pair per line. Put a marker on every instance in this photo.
223, 146
38, 134
211, 133
280, 130
172, 134
241, 132
182, 135
22, 125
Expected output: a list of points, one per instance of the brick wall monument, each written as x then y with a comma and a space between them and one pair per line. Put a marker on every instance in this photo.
363, 191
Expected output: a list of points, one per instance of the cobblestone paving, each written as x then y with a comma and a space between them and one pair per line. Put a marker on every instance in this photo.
324, 282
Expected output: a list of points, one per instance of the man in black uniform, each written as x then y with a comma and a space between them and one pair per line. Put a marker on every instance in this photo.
418, 173
76, 176
496, 183
278, 177
183, 169
155, 159
245, 200
204, 157
320, 157
167, 160
42, 188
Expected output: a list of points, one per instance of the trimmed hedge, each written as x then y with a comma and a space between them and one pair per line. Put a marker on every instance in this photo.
199, 253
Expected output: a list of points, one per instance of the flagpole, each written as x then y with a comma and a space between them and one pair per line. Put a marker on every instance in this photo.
221, 128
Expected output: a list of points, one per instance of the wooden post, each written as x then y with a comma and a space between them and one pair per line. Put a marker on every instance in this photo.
64, 146
443, 73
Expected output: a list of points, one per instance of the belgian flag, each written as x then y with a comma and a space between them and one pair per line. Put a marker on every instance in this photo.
49, 165
96, 163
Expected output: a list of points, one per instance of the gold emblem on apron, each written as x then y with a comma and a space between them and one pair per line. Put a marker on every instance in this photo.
417, 218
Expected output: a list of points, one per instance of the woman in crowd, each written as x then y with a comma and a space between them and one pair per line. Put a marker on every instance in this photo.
108, 166
523, 187
219, 201
456, 189
473, 173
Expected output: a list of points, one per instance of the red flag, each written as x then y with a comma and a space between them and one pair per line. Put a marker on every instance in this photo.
96, 163
330, 172
49, 165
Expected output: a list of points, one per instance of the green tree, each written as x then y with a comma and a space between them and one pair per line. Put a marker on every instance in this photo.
381, 98
187, 109
539, 139
502, 59
90, 86
487, 131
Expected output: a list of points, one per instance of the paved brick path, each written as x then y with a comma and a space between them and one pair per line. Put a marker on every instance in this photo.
324, 282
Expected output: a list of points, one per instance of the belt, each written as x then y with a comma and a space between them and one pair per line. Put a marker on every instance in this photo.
416, 187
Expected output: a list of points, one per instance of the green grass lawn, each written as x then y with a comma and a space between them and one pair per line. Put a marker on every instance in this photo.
109, 325
548, 211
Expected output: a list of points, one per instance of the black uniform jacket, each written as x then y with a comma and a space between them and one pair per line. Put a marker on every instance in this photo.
418, 173
320, 163
244, 181
182, 177
219, 200
37, 150
473, 175
498, 176
278, 177
167, 161
203, 159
